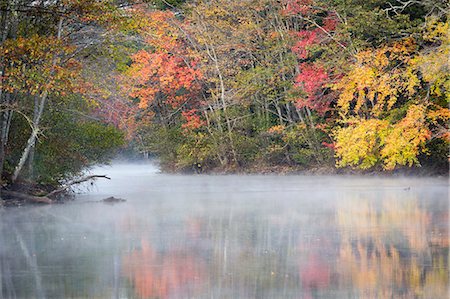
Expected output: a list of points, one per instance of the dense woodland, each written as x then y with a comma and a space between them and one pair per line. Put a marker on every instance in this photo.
222, 85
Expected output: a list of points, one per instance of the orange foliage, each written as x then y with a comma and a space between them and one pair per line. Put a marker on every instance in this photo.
36, 64
193, 120
165, 75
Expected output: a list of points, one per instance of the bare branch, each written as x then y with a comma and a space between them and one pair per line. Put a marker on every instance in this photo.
400, 6
75, 182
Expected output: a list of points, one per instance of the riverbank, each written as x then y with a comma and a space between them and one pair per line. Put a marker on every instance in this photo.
316, 170
24, 192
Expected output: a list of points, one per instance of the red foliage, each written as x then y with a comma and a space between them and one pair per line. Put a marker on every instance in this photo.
329, 145
316, 36
293, 7
307, 38
312, 77
330, 22
165, 75
119, 112
166, 79
192, 119
311, 80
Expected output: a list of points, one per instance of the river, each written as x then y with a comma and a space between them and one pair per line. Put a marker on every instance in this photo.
231, 236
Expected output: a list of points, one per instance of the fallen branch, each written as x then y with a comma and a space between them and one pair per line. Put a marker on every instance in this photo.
47, 198
74, 182
27, 197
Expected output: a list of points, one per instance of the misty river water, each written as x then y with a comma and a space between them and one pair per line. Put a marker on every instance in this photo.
231, 236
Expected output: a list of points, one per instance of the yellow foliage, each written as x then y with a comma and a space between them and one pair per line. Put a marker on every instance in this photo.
394, 76
276, 129
406, 139
366, 143
434, 65
38, 63
358, 145
435, 29
377, 79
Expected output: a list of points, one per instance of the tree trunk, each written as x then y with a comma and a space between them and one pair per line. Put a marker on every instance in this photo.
208, 127
5, 121
43, 98
33, 146
31, 141
224, 105
211, 52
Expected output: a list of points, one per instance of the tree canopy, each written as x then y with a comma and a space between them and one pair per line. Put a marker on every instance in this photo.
223, 84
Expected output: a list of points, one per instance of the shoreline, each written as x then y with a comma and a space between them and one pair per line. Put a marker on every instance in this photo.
28, 194
312, 171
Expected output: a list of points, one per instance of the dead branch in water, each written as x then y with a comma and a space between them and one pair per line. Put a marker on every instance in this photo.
74, 182
47, 198
27, 197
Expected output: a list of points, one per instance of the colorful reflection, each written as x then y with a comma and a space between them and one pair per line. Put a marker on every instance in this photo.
351, 241
388, 249
171, 274
392, 247
365, 246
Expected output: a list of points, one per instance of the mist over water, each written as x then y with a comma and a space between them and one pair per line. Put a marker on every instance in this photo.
231, 236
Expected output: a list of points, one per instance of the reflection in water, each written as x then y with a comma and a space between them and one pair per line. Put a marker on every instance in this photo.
232, 237
389, 249
315, 274
169, 275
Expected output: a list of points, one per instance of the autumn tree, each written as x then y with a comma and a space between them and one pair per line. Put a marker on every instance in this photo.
42, 48
235, 84
391, 105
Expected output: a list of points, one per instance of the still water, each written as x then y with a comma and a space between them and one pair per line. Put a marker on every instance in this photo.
231, 236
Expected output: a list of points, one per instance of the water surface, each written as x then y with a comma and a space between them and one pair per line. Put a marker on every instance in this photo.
180, 236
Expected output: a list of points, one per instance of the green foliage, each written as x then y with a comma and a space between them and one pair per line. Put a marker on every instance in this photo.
436, 156
167, 4
47, 82
70, 144
372, 23
162, 141
196, 150
247, 149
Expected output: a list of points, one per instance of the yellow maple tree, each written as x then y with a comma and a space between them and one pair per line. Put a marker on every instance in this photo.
394, 100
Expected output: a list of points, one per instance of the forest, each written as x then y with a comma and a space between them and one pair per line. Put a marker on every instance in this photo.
222, 86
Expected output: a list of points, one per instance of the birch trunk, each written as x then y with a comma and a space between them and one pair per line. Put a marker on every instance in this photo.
32, 139
33, 147
35, 130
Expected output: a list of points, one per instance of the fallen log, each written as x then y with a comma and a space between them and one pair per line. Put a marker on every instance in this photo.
74, 182
47, 198
27, 197
112, 200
